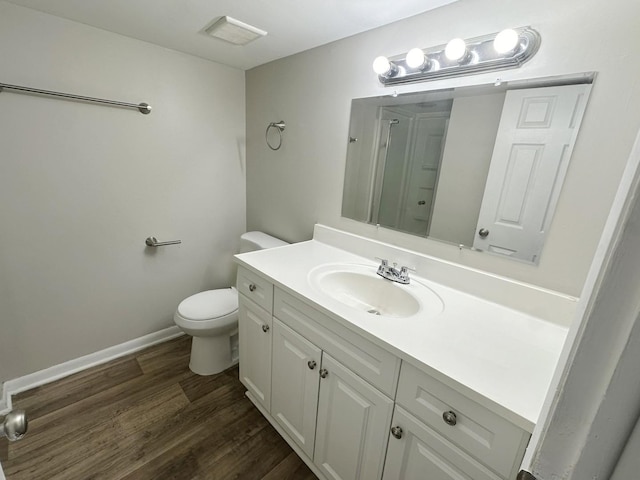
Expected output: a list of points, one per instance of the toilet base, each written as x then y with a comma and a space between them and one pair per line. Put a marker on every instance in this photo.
211, 355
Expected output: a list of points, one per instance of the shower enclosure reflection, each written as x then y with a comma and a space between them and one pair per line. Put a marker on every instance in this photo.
413, 148
474, 166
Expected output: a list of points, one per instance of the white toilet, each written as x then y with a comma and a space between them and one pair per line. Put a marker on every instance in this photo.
211, 317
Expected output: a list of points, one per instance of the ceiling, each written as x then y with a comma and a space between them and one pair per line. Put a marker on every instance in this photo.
292, 25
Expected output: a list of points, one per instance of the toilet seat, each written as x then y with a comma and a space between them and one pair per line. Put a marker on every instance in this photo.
209, 305
209, 313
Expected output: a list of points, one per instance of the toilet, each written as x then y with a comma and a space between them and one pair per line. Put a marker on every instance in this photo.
211, 317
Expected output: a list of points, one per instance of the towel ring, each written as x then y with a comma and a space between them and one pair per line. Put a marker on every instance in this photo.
280, 126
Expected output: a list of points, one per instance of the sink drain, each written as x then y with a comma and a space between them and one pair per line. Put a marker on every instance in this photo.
374, 311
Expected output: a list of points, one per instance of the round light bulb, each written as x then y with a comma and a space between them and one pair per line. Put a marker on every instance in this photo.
456, 49
506, 41
381, 65
415, 58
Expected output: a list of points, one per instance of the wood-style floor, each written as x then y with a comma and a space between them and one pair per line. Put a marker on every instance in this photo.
146, 416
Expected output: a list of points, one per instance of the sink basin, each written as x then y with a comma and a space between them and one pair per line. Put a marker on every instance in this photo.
359, 287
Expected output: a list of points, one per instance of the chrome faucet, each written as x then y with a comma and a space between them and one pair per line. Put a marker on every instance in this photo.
392, 273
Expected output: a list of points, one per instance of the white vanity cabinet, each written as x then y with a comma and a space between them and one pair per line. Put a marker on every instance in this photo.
296, 381
339, 420
353, 421
440, 431
416, 452
254, 343
309, 389
352, 409
254, 334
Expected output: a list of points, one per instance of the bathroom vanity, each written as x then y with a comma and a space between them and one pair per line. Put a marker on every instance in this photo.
443, 378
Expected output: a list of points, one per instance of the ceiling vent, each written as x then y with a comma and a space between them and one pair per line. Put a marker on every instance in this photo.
233, 31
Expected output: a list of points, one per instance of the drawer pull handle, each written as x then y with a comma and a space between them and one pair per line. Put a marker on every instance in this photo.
324, 373
252, 287
396, 432
265, 328
311, 364
450, 418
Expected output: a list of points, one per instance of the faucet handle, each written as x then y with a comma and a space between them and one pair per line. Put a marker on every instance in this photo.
403, 275
383, 267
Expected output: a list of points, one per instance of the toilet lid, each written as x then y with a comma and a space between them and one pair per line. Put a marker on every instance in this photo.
209, 304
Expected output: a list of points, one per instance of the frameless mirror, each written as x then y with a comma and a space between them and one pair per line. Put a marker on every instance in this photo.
475, 166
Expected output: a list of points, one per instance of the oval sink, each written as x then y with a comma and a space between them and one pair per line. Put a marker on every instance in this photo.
359, 287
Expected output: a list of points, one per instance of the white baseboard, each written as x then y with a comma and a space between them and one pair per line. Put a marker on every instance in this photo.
42, 377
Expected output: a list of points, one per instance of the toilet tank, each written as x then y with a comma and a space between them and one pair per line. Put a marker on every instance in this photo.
251, 241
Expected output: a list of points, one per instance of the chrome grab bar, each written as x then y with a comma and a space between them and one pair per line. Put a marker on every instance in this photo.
153, 242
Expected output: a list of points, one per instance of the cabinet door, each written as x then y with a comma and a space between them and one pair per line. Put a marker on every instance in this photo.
420, 453
489, 438
294, 385
254, 343
353, 420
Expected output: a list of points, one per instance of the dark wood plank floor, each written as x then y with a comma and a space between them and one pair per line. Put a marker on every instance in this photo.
146, 416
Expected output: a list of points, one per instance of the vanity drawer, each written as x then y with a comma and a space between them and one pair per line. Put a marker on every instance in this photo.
420, 453
255, 288
491, 439
372, 363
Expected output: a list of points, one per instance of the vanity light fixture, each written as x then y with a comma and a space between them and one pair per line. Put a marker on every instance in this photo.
415, 58
506, 41
456, 50
382, 66
509, 48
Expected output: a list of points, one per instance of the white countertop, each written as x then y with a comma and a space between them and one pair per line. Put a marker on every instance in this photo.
499, 357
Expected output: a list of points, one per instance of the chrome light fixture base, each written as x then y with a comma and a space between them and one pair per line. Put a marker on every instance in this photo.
481, 56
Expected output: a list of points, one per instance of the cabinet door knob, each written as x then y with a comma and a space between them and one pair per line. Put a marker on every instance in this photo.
312, 364
265, 328
450, 418
483, 232
396, 432
252, 287
323, 373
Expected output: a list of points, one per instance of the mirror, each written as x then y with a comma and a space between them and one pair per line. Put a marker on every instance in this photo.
477, 166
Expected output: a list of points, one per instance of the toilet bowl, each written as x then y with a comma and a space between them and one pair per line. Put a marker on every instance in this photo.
211, 317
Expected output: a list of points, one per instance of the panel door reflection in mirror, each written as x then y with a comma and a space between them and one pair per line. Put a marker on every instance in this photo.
476, 166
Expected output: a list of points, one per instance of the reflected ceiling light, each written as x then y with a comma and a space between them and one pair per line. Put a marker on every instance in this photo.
506, 41
383, 67
456, 50
497, 51
415, 58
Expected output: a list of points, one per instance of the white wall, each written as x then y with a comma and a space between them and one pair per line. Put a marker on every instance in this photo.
472, 131
629, 463
594, 397
360, 170
82, 186
291, 189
